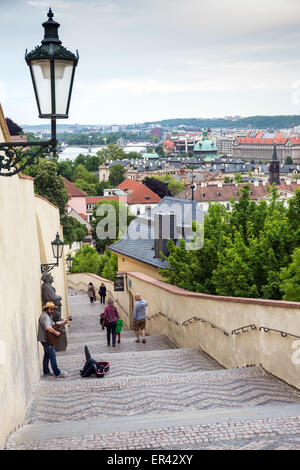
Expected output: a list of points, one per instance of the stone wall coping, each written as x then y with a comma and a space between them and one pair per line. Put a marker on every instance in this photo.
46, 200
25, 177
99, 278
183, 292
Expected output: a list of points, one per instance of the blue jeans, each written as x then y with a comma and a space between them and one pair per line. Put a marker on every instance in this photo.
111, 328
50, 355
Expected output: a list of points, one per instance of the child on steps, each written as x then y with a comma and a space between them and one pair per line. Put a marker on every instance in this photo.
119, 328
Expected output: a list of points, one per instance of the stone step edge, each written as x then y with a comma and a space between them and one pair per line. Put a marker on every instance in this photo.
184, 352
200, 378
90, 427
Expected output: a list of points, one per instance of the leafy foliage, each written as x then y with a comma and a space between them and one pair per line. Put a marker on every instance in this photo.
114, 218
116, 175
74, 231
49, 185
252, 251
290, 277
158, 187
86, 260
13, 128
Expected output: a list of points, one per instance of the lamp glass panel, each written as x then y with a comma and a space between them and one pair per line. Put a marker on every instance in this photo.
63, 76
41, 75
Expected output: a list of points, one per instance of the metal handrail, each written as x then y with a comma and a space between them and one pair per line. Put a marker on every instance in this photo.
190, 320
158, 314
236, 331
283, 333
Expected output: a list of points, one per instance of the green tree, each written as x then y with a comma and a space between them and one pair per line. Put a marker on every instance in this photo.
109, 265
112, 152
290, 278
86, 260
133, 155
86, 180
233, 275
66, 168
49, 185
116, 175
109, 218
238, 178
174, 186
73, 230
288, 161
103, 185
93, 162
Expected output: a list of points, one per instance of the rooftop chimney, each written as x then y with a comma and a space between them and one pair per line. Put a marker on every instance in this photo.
164, 229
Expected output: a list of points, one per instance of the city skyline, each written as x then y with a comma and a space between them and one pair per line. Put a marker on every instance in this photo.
142, 61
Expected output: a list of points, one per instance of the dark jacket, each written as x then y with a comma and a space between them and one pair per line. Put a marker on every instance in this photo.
102, 291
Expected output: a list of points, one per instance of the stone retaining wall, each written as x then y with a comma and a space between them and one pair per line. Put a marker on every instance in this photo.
229, 329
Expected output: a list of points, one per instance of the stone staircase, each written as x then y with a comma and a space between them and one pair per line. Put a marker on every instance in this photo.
154, 397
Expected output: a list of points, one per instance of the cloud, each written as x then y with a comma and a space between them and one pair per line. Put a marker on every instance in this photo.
54, 4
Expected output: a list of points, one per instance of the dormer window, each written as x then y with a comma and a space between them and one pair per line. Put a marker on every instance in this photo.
147, 197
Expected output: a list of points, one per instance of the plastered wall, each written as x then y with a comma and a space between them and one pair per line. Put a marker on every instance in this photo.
28, 224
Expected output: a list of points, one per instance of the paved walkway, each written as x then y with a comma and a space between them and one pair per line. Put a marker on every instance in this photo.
154, 397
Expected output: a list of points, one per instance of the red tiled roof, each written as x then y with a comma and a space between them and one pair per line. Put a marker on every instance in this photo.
96, 199
278, 139
214, 193
72, 190
138, 192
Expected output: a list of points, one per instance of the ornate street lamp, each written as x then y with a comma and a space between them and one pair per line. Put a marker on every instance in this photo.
57, 249
52, 69
69, 260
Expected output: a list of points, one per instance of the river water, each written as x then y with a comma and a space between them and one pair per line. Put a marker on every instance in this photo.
73, 152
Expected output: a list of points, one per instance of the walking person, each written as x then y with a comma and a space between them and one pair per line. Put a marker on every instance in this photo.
139, 318
102, 293
91, 292
119, 329
46, 324
111, 316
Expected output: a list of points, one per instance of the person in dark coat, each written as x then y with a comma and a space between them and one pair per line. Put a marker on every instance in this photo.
102, 293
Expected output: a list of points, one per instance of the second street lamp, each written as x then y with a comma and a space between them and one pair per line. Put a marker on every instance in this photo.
57, 250
52, 69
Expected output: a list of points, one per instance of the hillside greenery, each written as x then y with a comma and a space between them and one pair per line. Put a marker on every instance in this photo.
253, 251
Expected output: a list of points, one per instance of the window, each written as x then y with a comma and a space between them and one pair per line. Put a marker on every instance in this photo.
147, 197
138, 211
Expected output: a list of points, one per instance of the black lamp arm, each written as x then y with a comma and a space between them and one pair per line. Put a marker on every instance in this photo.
15, 156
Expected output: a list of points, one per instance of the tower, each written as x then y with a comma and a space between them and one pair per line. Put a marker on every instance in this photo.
274, 168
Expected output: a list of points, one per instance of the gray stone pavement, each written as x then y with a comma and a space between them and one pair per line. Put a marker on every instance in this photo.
155, 397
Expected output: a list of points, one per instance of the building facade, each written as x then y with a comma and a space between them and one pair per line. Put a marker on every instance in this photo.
258, 146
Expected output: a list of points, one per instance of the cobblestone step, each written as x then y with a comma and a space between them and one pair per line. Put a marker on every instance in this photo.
127, 344
157, 394
272, 427
175, 398
125, 364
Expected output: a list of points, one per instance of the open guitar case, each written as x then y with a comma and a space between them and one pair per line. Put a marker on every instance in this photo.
104, 365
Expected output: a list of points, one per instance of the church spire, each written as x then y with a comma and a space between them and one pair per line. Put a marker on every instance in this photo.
274, 167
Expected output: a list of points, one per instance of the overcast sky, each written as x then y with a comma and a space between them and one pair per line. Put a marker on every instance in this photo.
146, 60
